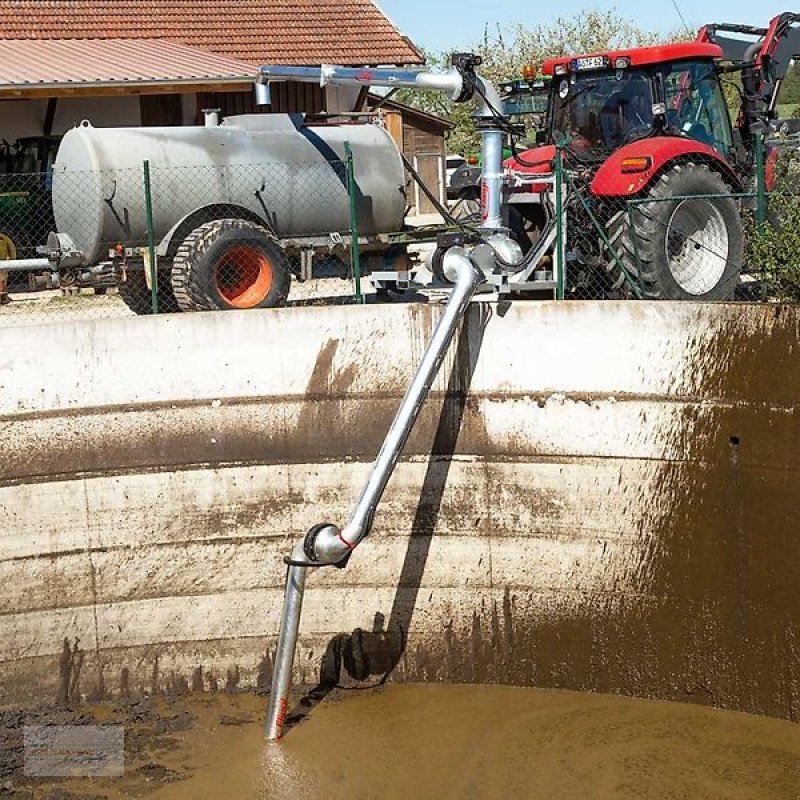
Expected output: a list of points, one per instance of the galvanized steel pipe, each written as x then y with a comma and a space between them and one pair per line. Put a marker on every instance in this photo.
450, 82
25, 264
284, 655
326, 545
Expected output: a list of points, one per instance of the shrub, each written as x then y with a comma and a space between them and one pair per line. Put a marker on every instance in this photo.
774, 250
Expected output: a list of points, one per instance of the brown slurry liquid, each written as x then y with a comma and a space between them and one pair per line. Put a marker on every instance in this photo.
416, 742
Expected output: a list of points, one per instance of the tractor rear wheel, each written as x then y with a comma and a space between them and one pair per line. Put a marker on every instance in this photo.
230, 264
467, 207
136, 294
682, 248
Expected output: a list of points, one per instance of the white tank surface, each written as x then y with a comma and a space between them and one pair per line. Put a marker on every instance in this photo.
290, 175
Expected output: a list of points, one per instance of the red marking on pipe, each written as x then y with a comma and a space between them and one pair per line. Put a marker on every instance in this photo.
281, 718
346, 543
484, 200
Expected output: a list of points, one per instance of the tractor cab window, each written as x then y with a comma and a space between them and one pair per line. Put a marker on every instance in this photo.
696, 105
599, 112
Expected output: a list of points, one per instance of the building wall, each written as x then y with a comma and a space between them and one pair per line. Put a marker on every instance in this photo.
286, 98
424, 146
26, 117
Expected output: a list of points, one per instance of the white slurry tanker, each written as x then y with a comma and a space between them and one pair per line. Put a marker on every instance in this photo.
230, 204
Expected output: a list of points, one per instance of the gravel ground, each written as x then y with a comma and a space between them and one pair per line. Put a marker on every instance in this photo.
48, 307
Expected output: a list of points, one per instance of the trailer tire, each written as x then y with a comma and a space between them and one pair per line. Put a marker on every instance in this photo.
136, 294
230, 264
683, 249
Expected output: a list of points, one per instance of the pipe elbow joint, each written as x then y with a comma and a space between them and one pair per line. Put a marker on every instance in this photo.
323, 546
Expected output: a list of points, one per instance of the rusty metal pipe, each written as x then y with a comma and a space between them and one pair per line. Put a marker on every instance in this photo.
327, 545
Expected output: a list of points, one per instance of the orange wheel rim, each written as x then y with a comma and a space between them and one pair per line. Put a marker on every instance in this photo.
243, 276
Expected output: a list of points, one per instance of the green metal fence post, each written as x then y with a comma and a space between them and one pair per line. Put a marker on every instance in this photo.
355, 254
761, 182
151, 242
561, 259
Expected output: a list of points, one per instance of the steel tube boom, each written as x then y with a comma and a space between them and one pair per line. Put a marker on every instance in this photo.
461, 83
326, 544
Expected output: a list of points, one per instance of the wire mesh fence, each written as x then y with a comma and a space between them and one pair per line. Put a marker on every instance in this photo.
160, 239
155, 239
688, 232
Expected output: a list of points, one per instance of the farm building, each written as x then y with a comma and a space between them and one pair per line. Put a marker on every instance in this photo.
160, 62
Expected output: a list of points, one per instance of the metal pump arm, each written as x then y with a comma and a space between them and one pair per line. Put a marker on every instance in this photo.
763, 63
326, 544
461, 83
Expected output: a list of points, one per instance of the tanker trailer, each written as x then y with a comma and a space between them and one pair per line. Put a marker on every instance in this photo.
231, 203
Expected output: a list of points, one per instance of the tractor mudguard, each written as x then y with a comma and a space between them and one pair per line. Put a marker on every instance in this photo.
616, 177
540, 161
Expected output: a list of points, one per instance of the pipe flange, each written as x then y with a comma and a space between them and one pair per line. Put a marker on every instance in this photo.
310, 541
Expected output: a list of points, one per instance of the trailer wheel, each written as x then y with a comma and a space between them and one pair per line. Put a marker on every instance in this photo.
136, 294
681, 249
230, 264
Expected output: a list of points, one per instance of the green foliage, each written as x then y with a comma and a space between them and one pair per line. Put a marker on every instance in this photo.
773, 249
790, 89
506, 53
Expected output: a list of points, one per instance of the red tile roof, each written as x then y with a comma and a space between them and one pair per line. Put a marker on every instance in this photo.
36, 64
302, 32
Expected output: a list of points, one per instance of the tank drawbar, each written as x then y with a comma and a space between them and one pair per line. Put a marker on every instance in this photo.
326, 545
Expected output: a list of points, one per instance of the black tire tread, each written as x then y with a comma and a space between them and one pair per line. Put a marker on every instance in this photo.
136, 295
189, 294
635, 236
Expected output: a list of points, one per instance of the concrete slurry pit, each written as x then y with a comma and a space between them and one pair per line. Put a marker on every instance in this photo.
597, 498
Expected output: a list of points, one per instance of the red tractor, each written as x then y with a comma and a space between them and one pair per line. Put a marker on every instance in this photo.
649, 141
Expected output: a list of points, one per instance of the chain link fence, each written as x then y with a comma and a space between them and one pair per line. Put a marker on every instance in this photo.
689, 232
170, 239
167, 239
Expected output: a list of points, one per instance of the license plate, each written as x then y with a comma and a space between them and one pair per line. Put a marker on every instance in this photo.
592, 62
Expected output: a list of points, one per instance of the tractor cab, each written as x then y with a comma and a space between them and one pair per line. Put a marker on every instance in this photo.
600, 103
526, 97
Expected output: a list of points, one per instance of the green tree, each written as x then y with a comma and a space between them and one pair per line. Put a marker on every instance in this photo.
504, 55
790, 89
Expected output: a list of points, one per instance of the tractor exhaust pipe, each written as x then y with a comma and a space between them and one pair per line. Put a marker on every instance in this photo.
327, 545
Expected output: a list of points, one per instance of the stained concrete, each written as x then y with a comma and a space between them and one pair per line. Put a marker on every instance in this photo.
597, 497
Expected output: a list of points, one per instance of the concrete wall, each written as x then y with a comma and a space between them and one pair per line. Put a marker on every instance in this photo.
611, 503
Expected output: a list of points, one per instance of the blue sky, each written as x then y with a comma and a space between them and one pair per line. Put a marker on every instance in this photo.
453, 24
